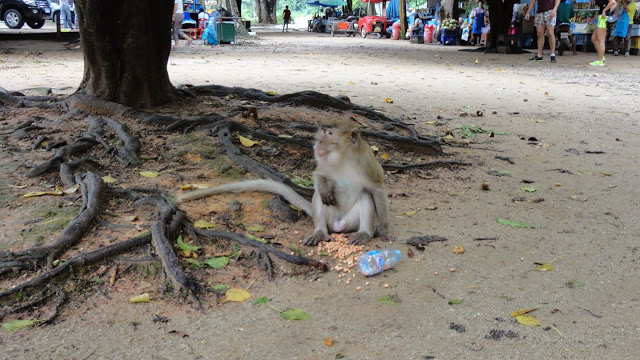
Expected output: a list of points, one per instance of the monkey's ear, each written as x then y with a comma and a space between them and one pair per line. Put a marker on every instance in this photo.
355, 135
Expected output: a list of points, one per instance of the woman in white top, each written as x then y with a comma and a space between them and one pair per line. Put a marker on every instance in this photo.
178, 17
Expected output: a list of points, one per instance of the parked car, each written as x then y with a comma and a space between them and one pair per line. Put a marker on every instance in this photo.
55, 12
372, 24
15, 13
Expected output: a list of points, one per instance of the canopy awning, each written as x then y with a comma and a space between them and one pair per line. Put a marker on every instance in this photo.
327, 3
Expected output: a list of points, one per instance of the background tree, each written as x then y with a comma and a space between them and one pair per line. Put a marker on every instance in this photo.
126, 48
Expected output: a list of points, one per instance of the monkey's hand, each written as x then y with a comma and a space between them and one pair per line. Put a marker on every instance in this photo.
359, 238
329, 197
317, 236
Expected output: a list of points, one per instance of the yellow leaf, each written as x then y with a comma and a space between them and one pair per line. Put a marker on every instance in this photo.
388, 101
413, 212
328, 341
144, 298
149, 174
430, 122
58, 191
449, 137
351, 83
246, 142
544, 267
204, 224
476, 61
384, 156
109, 179
235, 294
528, 320
458, 250
499, 69
271, 93
186, 187
522, 311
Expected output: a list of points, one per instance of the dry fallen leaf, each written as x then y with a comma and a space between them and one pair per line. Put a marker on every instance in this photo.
522, 311
528, 320
458, 250
238, 295
328, 341
149, 174
246, 142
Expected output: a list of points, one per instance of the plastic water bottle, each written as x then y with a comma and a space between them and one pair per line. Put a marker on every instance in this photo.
377, 261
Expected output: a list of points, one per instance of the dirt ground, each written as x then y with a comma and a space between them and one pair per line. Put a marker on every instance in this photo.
573, 136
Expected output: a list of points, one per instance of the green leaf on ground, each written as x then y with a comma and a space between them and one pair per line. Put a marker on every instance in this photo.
544, 267
528, 189
261, 300
186, 247
195, 263
204, 224
574, 283
295, 314
219, 287
255, 228
515, 224
18, 324
454, 301
218, 262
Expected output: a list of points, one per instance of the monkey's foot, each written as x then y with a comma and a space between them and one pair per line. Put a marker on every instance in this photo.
359, 238
317, 236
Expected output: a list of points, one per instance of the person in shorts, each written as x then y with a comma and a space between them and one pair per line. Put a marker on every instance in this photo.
545, 18
600, 33
286, 16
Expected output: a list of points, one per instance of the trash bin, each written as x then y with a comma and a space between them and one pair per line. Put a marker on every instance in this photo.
226, 32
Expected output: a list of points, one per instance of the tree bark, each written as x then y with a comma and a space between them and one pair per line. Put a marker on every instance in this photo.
232, 7
126, 47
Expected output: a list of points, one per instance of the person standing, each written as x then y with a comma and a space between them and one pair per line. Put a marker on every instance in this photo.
545, 17
600, 33
478, 15
565, 13
622, 32
178, 17
65, 14
286, 16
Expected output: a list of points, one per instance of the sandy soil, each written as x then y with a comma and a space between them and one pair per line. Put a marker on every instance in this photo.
586, 227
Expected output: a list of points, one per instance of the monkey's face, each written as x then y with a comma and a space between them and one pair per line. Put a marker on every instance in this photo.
326, 140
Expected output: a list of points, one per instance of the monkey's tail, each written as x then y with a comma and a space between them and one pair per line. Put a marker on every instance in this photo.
264, 185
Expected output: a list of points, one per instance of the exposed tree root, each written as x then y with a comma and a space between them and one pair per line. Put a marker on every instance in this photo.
18, 101
161, 235
258, 168
93, 191
429, 164
75, 158
312, 99
243, 240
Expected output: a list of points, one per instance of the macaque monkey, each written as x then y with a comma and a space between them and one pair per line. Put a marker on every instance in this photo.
350, 196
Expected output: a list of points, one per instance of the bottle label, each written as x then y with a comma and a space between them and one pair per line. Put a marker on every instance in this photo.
379, 259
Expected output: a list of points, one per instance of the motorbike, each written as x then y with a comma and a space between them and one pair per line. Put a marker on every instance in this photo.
562, 38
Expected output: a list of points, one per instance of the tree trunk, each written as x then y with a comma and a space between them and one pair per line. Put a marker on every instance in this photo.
258, 10
126, 46
232, 8
500, 12
264, 12
271, 8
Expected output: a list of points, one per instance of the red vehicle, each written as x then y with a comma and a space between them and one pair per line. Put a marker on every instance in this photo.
372, 25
